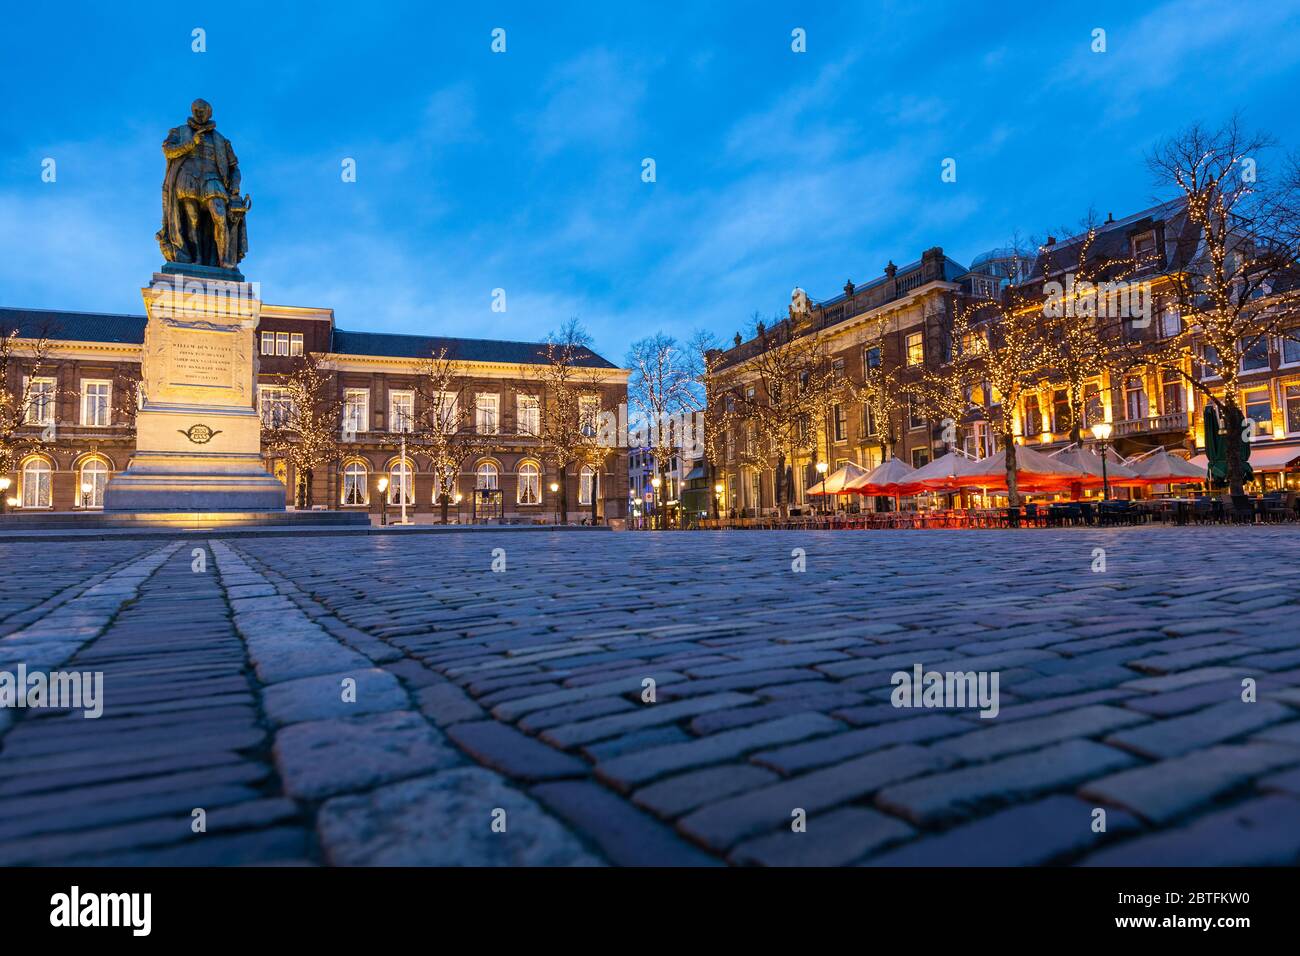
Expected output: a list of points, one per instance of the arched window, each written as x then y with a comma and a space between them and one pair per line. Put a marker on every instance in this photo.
355, 483
401, 483
94, 478
441, 485
586, 484
487, 476
36, 483
530, 484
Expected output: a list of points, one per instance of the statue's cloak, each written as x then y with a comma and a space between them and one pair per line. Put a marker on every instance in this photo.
172, 234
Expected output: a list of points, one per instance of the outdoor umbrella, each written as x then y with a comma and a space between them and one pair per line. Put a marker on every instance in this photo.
946, 473
886, 479
1034, 471
1089, 465
1161, 468
835, 482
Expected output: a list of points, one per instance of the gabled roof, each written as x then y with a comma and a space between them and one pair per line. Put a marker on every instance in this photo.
395, 345
73, 326
1111, 241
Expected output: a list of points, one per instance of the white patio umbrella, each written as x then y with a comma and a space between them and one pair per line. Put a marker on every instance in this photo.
1089, 465
835, 481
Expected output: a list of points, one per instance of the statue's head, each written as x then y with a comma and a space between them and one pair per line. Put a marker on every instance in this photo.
202, 110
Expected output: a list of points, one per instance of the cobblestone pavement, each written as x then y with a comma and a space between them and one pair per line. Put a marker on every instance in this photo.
389, 700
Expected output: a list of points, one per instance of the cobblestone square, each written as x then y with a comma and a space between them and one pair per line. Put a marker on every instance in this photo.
657, 699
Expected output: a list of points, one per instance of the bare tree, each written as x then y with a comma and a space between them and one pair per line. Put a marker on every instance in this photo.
26, 394
302, 425
661, 389
445, 432
567, 434
1235, 276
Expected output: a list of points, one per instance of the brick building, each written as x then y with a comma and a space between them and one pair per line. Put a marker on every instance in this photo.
78, 429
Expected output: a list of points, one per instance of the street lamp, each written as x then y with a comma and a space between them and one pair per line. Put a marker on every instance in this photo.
383, 504
86, 489
718, 490
555, 490
1101, 431
822, 468
655, 482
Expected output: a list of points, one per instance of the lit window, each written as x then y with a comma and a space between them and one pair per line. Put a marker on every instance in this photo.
1292, 398
94, 476
95, 403
1259, 409
355, 483
1135, 398
586, 482
841, 424
915, 348
487, 476
588, 414
36, 483
1171, 392
356, 410
528, 415
401, 481
530, 485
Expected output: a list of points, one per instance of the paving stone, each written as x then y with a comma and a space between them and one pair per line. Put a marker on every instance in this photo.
831, 839
725, 823
447, 704
321, 697
677, 795
322, 758
992, 741
958, 794
842, 746
1178, 735
1163, 791
517, 755
649, 715
1031, 834
627, 836
445, 819
634, 742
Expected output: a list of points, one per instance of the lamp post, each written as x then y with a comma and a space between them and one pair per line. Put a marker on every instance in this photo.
1101, 431
5, 482
718, 490
86, 489
406, 471
655, 482
822, 468
383, 504
555, 490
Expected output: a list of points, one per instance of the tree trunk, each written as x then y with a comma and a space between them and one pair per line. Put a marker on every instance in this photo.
308, 498
712, 479
595, 495
1013, 492
1235, 420
444, 500
563, 516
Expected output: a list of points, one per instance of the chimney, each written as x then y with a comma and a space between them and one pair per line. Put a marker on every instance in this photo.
1051, 241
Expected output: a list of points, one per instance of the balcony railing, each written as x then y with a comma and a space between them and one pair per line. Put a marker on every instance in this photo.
1171, 422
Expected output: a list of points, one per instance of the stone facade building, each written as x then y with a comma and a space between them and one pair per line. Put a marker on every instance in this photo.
78, 429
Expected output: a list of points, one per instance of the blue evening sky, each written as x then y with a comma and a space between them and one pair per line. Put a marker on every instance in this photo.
522, 170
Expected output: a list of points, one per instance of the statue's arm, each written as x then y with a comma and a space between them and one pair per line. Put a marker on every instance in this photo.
175, 146
233, 162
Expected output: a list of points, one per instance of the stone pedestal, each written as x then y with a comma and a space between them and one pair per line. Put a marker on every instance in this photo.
198, 433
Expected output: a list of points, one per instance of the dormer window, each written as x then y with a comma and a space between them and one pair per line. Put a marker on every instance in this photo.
1144, 249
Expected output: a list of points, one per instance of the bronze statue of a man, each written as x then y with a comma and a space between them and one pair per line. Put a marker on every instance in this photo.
203, 213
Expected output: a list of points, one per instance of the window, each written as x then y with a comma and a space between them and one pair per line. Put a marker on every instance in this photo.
915, 348
588, 414
486, 478
446, 411
915, 414
1033, 416
401, 411
401, 483
281, 343
1170, 323
94, 476
268, 343
356, 410
443, 484
1254, 354
295, 343
1093, 409
870, 358
40, 400
530, 485
487, 413
841, 424
528, 415
355, 483
1061, 417
731, 445
1259, 409
755, 489
36, 483
586, 485
275, 404
1290, 346
868, 422
837, 369
1291, 398
1144, 248
978, 442
1209, 365
1135, 398
95, 402
920, 456
1172, 394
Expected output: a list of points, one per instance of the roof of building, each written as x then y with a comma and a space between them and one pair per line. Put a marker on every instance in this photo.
398, 345
129, 330
1111, 241
73, 326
